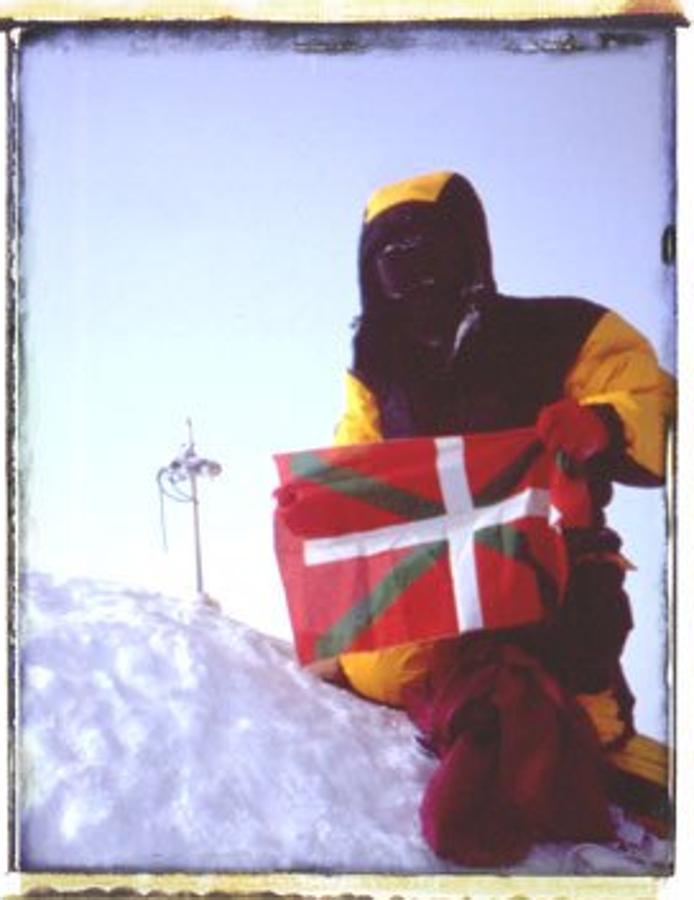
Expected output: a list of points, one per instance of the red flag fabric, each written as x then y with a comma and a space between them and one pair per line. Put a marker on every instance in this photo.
380, 544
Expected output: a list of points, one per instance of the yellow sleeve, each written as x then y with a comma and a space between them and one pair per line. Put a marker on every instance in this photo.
383, 675
361, 421
618, 366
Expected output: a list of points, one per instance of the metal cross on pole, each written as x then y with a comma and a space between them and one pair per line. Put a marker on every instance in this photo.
179, 481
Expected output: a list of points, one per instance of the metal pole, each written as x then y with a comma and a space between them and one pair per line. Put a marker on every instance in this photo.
196, 528
189, 467
192, 474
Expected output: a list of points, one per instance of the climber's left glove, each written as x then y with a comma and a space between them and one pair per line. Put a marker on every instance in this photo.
579, 431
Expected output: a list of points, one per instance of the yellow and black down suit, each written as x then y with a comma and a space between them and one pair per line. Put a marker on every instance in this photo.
521, 355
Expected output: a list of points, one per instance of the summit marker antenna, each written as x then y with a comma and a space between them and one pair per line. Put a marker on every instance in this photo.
179, 481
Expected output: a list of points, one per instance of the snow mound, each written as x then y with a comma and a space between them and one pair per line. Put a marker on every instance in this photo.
156, 735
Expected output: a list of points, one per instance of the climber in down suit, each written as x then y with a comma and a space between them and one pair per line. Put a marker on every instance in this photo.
533, 727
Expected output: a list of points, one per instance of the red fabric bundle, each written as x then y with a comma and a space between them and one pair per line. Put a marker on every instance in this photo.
519, 761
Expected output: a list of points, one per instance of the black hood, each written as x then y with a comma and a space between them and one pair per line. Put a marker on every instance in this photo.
445, 207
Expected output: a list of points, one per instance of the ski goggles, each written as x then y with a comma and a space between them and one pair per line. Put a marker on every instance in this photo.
415, 266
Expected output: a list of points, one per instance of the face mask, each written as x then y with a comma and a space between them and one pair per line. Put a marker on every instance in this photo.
416, 267
420, 281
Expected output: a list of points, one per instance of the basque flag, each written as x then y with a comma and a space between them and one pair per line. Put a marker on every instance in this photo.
401, 540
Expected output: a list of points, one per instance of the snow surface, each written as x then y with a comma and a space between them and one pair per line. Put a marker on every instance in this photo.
161, 735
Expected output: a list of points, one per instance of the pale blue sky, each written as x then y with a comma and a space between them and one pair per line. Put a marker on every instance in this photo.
192, 206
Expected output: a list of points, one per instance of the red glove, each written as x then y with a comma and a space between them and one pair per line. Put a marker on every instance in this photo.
575, 429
